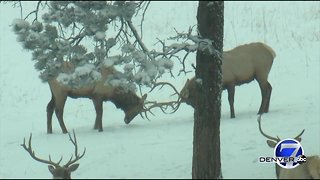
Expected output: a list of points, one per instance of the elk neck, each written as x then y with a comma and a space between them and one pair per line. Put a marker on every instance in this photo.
124, 99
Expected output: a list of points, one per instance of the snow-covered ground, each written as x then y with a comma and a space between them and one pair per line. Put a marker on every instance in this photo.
162, 147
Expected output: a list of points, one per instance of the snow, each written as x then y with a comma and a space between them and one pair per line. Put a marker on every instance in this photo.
100, 35
83, 73
162, 147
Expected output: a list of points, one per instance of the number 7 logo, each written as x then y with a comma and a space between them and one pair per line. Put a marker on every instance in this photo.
289, 150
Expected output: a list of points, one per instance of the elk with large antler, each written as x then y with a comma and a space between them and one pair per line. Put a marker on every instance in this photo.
58, 171
240, 65
98, 92
308, 170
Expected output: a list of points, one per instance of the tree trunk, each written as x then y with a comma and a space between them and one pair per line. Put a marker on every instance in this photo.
206, 143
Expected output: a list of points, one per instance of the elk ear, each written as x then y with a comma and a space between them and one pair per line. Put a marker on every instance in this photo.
144, 97
73, 167
298, 139
51, 169
271, 144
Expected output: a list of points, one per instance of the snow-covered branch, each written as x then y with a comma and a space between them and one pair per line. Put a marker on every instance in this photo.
79, 33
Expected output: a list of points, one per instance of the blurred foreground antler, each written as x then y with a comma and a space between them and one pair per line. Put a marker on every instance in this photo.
58, 172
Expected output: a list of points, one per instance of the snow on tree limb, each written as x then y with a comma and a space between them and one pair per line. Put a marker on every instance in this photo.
67, 30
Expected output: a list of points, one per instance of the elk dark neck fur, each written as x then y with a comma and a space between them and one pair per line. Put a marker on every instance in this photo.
124, 99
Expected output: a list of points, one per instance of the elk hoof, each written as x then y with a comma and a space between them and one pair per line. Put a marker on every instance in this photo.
232, 115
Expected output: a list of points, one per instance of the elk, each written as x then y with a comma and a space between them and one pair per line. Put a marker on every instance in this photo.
98, 92
308, 170
240, 65
57, 171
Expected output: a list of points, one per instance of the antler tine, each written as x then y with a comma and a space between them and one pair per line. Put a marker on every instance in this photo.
264, 134
163, 105
177, 107
77, 157
145, 110
298, 136
145, 113
32, 154
58, 161
165, 83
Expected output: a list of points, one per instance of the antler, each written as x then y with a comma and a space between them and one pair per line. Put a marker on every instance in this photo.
165, 83
273, 138
277, 139
162, 105
32, 154
298, 136
74, 142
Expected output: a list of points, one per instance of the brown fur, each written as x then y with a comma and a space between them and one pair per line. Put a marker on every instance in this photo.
98, 92
241, 65
308, 170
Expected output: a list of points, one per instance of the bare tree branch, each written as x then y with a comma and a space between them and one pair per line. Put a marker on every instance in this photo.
136, 35
34, 12
142, 19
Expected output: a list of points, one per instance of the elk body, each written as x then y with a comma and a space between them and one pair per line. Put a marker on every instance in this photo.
58, 171
308, 170
98, 92
240, 65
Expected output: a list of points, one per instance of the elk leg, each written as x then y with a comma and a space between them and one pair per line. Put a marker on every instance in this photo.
278, 168
98, 107
231, 90
59, 112
50, 109
264, 92
269, 90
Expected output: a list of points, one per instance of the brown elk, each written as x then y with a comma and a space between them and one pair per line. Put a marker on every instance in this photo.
128, 101
308, 170
240, 65
98, 92
57, 171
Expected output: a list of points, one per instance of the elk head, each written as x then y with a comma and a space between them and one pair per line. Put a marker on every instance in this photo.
189, 92
57, 171
135, 107
272, 142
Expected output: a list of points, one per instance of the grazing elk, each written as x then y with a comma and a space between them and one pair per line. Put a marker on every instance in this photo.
240, 65
57, 171
308, 170
128, 101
